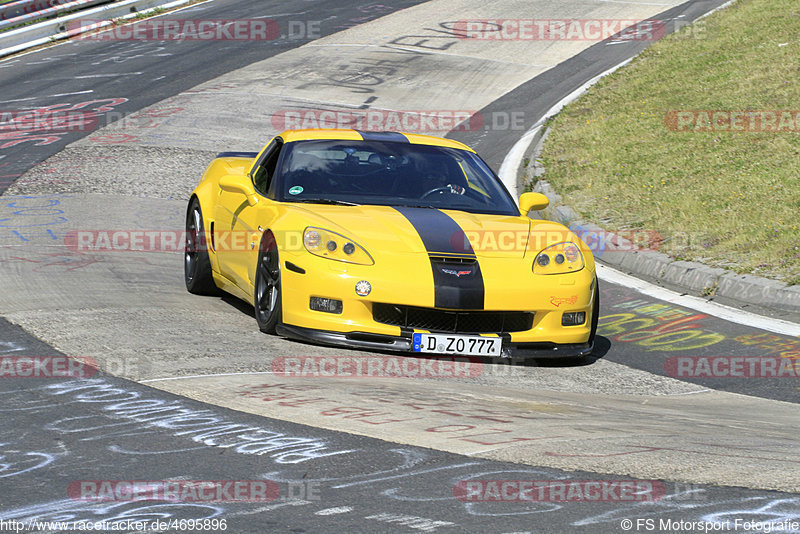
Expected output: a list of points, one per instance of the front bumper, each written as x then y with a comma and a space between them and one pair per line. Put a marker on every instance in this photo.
402, 343
410, 284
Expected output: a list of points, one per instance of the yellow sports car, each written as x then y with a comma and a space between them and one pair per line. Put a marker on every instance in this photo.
389, 241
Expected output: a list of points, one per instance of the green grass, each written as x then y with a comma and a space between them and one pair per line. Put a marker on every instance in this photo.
728, 199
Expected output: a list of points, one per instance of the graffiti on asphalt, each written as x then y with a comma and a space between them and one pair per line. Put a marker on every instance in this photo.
656, 326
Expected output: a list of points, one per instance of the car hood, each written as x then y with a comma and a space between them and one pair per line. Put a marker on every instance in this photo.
402, 230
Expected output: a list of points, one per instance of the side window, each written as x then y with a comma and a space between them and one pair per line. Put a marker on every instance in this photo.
262, 176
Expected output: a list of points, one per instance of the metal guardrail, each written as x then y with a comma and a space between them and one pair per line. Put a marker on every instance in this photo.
19, 39
11, 16
21, 7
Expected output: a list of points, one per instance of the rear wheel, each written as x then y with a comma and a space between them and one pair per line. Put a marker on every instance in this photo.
196, 264
267, 298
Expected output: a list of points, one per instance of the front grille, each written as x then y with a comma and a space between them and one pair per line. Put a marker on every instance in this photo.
457, 322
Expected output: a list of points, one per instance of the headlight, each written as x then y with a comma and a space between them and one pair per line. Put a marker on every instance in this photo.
333, 246
558, 259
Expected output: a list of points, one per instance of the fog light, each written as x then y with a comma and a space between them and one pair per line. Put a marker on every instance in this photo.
325, 305
573, 318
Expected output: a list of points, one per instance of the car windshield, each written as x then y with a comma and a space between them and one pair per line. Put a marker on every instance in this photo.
390, 173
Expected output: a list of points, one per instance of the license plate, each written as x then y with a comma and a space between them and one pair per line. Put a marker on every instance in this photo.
449, 344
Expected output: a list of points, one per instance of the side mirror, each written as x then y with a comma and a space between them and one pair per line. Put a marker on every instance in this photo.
239, 184
532, 201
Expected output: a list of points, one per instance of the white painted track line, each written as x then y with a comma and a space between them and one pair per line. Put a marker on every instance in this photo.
733, 315
510, 166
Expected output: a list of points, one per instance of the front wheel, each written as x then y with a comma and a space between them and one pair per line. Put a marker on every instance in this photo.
267, 298
595, 311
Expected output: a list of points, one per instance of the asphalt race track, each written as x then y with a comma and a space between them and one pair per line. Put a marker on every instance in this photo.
147, 72
68, 431
188, 389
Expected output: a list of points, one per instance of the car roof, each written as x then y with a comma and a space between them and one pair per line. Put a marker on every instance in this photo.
290, 136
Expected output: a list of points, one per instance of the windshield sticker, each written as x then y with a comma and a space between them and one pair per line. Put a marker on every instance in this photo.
296, 190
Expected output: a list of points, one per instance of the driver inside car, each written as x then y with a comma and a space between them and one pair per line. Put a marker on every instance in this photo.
438, 178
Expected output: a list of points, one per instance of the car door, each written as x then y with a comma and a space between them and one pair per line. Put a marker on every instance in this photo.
247, 222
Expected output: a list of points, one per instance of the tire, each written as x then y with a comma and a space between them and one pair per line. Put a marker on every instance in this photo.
267, 294
595, 311
196, 265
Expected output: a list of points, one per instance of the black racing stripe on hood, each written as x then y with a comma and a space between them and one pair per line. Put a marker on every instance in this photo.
438, 231
457, 278
383, 136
